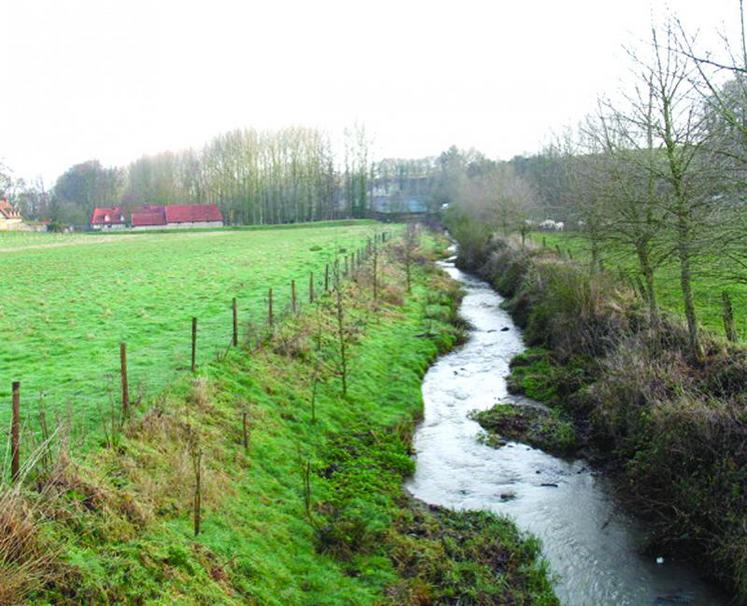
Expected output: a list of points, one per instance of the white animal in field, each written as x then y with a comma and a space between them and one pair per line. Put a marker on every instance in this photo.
547, 224
550, 225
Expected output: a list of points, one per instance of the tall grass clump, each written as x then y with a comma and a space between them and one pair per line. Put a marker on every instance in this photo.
24, 561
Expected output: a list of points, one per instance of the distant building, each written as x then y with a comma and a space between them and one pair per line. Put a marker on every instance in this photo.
401, 195
105, 219
148, 217
10, 218
398, 203
176, 216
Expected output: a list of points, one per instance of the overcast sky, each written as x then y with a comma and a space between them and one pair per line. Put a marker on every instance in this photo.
114, 80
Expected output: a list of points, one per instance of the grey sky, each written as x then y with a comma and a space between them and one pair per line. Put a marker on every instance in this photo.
113, 80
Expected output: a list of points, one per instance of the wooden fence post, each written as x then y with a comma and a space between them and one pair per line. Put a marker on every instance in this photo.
728, 316
269, 308
125, 384
245, 428
15, 432
293, 296
235, 323
326, 277
311, 287
194, 343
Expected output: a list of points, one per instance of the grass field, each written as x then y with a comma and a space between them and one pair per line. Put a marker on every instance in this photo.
116, 526
67, 301
707, 286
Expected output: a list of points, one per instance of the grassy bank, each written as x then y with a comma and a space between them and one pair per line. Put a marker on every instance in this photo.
312, 511
673, 431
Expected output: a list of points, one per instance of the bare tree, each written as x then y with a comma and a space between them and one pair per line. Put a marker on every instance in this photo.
342, 330
584, 188
631, 166
722, 83
676, 121
410, 241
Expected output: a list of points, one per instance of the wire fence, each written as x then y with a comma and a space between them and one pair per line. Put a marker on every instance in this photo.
135, 375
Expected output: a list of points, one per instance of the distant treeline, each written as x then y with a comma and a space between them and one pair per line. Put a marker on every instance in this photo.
256, 177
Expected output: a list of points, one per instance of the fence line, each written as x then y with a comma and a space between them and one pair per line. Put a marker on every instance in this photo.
352, 265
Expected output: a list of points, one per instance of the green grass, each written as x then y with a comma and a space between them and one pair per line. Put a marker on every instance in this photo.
67, 301
121, 525
548, 430
707, 286
531, 375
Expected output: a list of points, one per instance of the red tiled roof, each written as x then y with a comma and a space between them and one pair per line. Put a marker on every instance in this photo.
192, 213
107, 216
148, 216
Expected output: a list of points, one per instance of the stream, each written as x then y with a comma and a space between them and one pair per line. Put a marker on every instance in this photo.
594, 549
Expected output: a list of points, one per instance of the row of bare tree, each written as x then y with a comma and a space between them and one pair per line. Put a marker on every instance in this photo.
657, 175
256, 177
259, 177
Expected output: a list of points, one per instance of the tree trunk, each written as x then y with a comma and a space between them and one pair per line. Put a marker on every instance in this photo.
684, 254
644, 262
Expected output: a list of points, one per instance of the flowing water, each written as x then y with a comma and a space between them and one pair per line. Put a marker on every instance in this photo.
594, 549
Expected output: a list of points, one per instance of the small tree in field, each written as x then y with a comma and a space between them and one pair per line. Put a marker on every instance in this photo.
375, 269
342, 332
195, 454
677, 122
410, 241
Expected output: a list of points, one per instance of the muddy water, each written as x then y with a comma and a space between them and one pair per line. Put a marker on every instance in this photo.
593, 548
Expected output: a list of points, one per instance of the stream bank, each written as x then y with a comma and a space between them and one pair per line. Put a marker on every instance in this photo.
673, 430
593, 546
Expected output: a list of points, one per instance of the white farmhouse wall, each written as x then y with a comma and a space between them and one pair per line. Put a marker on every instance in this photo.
178, 226
11, 224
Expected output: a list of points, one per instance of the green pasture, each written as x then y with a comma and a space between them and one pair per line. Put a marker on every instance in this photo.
708, 284
67, 301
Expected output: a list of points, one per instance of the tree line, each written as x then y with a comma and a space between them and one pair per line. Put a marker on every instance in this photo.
657, 174
256, 177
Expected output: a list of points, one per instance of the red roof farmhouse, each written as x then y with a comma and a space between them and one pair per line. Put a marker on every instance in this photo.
107, 218
10, 218
148, 217
173, 216
198, 213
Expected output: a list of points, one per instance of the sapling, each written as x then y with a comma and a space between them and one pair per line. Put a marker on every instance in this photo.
410, 244
195, 453
342, 332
